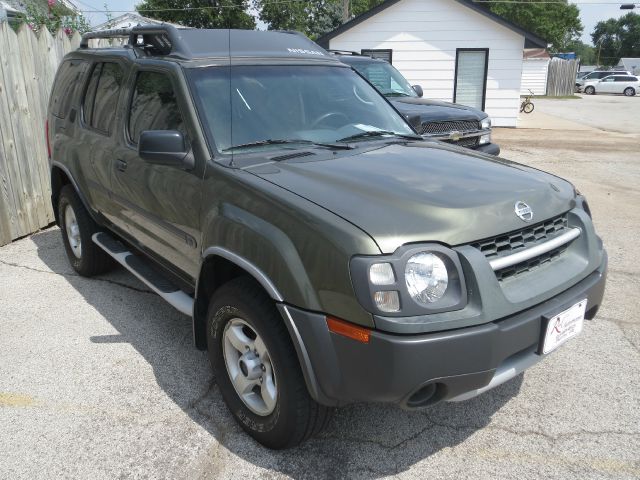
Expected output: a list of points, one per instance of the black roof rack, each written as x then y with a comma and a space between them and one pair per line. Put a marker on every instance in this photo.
162, 39
194, 43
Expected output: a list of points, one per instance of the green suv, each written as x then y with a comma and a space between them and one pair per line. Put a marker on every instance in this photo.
325, 253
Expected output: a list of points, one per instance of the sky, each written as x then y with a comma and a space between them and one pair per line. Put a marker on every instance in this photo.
591, 11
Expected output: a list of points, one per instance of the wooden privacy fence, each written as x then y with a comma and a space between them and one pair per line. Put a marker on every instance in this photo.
561, 77
28, 63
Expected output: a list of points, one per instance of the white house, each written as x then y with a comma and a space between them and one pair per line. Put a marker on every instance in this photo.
455, 49
535, 67
630, 64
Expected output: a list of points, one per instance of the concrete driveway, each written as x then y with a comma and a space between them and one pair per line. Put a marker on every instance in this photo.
613, 113
99, 378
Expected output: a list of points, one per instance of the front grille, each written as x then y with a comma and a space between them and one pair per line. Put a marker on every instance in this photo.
438, 128
468, 142
514, 242
529, 265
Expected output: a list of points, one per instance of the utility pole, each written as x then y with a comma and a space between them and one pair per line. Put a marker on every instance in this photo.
345, 11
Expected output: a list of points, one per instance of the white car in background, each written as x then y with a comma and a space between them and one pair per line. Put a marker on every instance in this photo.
629, 85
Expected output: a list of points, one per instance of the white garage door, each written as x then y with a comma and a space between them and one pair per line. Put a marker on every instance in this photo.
471, 77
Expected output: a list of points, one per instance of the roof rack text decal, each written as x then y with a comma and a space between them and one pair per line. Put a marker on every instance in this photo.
304, 51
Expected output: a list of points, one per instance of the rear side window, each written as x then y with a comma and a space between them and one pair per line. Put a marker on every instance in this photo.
626, 79
154, 106
65, 87
101, 97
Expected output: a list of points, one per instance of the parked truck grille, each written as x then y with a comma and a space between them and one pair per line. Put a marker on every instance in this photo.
529, 237
466, 142
438, 128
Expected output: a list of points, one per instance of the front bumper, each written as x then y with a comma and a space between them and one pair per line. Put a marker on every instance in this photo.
490, 148
418, 370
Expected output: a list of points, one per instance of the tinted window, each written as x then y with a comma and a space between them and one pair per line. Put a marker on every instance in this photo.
101, 98
625, 79
153, 106
65, 87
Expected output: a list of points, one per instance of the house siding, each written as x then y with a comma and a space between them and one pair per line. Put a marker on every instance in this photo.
424, 36
534, 76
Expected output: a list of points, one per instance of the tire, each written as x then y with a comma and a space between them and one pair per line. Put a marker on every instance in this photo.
85, 257
629, 91
241, 305
590, 90
528, 107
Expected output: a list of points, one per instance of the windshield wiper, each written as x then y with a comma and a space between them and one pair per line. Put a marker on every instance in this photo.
380, 133
287, 142
396, 94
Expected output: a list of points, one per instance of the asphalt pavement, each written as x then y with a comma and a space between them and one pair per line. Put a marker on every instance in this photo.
99, 377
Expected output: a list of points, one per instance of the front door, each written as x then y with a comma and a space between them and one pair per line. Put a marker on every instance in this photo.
470, 83
159, 204
606, 85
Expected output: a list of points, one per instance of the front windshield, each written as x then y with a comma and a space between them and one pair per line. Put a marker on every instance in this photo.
255, 106
385, 78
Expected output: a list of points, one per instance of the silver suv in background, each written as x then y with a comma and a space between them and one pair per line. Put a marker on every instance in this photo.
628, 85
597, 75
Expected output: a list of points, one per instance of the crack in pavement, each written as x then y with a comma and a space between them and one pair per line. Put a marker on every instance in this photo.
551, 438
106, 280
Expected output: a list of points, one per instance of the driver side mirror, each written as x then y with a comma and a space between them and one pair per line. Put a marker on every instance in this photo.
418, 90
164, 147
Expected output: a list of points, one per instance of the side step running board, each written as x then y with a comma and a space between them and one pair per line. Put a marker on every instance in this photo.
145, 273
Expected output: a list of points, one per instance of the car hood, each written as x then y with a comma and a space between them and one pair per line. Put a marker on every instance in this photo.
422, 191
434, 110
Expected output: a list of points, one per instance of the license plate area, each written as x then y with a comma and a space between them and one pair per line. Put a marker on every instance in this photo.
562, 327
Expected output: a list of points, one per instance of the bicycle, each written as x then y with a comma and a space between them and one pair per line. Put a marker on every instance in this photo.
527, 105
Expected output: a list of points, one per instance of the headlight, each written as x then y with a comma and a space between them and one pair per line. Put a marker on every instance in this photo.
426, 277
484, 139
485, 123
414, 280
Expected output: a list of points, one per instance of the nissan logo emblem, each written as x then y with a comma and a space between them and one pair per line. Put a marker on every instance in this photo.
524, 212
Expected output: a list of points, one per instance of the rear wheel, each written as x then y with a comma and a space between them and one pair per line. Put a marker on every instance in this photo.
257, 369
629, 91
528, 107
77, 227
590, 90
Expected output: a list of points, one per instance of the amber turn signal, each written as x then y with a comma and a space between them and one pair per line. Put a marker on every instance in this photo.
349, 330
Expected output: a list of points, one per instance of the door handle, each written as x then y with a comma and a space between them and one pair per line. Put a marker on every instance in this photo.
121, 165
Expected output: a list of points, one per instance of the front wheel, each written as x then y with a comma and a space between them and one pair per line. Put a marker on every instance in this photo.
528, 107
257, 369
590, 90
629, 91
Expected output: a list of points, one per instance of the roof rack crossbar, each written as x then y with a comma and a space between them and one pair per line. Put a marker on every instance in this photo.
160, 39
114, 33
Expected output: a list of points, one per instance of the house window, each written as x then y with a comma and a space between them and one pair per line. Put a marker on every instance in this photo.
470, 84
381, 54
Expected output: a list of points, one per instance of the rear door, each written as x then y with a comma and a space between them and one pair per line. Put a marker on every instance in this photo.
98, 130
158, 204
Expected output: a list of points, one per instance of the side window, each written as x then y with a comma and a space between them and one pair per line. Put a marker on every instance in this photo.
101, 97
65, 87
154, 106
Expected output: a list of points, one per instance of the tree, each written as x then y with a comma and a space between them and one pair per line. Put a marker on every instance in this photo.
617, 38
313, 18
558, 23
54, 16
200, 13
586, 53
